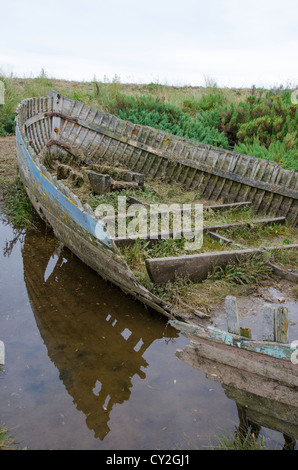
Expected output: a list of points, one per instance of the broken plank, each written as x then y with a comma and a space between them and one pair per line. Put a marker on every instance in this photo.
194, 267
197, 267
283, 273
100, 184
125, 241
228, 206
2, 353
222, 239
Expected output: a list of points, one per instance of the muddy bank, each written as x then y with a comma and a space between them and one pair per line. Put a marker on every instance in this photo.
8, 164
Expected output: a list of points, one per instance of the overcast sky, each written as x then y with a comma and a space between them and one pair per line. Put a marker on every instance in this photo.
187, 42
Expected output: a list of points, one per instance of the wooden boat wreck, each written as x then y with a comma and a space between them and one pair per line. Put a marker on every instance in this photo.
272, 358
265, 396
64, 145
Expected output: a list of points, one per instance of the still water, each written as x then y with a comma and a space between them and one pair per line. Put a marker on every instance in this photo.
89, 368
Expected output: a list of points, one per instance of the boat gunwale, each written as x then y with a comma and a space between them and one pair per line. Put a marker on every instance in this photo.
63, 191
278, 350
190, 162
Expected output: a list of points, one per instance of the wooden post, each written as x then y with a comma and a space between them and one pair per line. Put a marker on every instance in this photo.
275, 324
56, 120
100, 184
282, 325
268, 322
2, 354
232, 315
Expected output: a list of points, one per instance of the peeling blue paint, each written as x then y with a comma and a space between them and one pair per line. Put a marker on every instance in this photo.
274, 350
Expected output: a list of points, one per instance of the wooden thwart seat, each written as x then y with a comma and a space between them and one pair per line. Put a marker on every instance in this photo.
197, 267
127, 241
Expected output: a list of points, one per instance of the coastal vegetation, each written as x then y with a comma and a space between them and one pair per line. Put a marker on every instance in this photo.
6, 441
258, 122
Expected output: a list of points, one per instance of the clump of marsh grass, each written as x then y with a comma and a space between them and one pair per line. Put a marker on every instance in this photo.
6, 441
250, 270
240, 442
17, 206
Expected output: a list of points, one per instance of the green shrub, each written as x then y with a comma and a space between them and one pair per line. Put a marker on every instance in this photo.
280, 151
264, 127
268, 118
210, 101
263, 124
153, 112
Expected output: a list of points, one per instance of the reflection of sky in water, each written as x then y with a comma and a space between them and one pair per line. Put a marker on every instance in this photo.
89, 368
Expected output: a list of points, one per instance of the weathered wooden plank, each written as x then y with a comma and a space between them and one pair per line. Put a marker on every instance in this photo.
232, 315
216, 236
194, 267
100, 184
119, 173
271, 360
2, 353
268, 323
264, 394
197, 267
124, 241
231, 205
282, 324
284, 273
56, 121
241, 179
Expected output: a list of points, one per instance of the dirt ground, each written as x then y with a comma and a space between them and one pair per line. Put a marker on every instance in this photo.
8, 161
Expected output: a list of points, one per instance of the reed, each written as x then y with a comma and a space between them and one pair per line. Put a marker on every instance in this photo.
17, 206
6, 441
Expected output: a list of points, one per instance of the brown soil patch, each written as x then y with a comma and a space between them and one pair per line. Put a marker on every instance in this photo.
8, 161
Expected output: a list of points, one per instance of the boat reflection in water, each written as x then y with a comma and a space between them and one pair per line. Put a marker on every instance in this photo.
97, 338
95, 335
261, 402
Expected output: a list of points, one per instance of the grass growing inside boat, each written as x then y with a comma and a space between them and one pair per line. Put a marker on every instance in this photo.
159, 192
140, 250
154, 192
234, 279
250, 270
148, 195
229, 216
287, 259
262, 236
